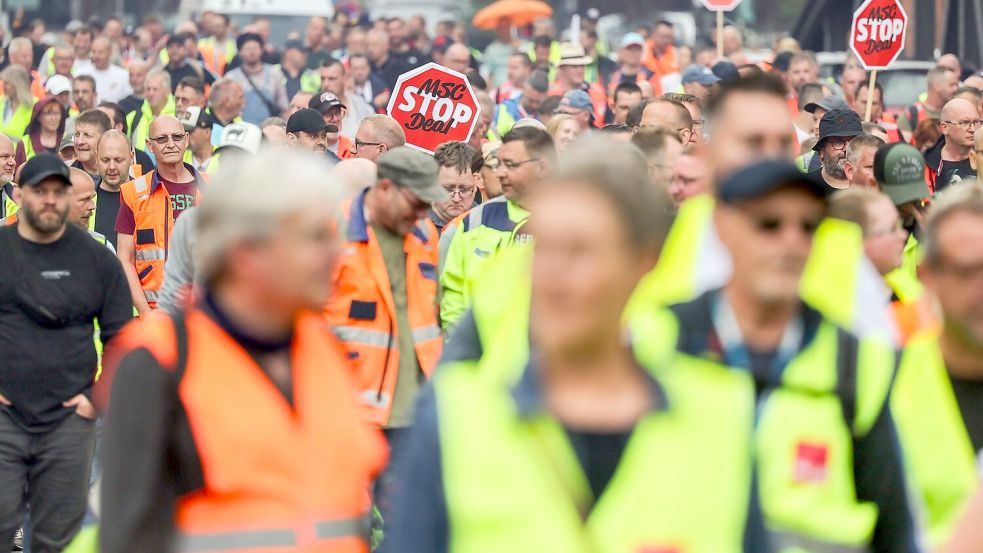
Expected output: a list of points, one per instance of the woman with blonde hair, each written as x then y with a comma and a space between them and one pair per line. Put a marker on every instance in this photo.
564, 130
17, 103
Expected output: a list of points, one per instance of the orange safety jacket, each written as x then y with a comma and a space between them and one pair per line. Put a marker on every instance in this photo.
362, 313
154, 219
276, 478
345, 147
662, 65
10, 219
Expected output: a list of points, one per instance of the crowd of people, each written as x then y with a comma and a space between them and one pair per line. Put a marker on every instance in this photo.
660, 300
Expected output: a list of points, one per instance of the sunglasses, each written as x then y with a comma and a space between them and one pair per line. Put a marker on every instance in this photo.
161, 140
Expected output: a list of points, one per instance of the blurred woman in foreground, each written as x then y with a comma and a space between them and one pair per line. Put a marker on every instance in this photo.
589, 442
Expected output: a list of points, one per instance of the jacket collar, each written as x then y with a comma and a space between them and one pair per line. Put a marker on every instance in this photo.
358, 227
155, 178
527, 392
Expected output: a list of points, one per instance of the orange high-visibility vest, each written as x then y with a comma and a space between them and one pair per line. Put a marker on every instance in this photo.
277, 478
154, 218
362, 312
10, 219
663, 65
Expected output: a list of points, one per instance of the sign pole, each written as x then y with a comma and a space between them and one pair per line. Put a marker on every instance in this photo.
870, 93
720, 34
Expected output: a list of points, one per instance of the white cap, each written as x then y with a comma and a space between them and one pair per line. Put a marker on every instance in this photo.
57, 84
244, 136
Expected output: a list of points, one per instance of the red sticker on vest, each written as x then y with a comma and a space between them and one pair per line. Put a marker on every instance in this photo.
810, 462
651, 549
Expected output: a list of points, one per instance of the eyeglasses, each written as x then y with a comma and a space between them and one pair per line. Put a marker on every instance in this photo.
510, 165
359, 144
838, 143
459, 191
774, 225
161, 140
967, 124
698, 123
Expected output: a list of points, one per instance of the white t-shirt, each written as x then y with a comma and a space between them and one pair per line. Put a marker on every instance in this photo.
112, 83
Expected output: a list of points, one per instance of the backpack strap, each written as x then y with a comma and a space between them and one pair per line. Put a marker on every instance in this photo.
181, 343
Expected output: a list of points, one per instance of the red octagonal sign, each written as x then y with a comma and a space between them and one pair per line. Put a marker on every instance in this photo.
878, 32
721, 5
433, 105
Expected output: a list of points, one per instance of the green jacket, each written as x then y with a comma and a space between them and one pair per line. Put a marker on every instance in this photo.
512, 481
466, 244
143, 117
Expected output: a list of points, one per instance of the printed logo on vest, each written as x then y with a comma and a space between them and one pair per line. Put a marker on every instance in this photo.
658, 549
811, 460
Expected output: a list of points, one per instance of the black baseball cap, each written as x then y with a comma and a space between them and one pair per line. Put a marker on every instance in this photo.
763, 177
324, 102
42, 167
309, 121
838, 123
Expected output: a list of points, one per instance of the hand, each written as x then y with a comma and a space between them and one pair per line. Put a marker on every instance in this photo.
83, 407
5, 401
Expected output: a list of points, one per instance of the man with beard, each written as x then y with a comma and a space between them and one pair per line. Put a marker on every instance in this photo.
306, 129
454, 159
55, 281
114, 157
836, 129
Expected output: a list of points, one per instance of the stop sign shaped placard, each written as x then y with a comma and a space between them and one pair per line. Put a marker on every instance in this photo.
878, 32
720, 5
433, 105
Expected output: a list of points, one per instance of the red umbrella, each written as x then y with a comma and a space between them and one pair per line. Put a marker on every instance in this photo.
516, 12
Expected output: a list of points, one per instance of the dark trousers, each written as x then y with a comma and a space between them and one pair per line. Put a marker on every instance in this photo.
50, 472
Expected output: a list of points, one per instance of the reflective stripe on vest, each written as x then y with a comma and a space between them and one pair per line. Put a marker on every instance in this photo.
154, 254
280, 537
363, 312
789, 542
318, 455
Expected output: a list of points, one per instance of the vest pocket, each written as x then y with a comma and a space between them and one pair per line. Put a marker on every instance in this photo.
362, 310
145, 236
428, 271
146, 271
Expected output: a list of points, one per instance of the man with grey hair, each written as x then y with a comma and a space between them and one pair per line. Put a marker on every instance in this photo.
376, 135
859, 164
265, 264
158, 101
225, 106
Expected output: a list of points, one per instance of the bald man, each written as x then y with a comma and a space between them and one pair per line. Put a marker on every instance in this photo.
663, 112
948, 161
458, 57
149, 205
357, 174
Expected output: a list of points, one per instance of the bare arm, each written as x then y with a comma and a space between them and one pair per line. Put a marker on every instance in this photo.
126, 251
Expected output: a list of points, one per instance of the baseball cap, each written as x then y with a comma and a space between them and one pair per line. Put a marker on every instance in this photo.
726, 71
244, 136
193, 117
529, 122
572, 53
899, 170
67, 141
763, 177
838, 123
632, 39
414, 170
828, 103
441, 43
74, 26
42, 167
699, 74
58, 84
307, 120
577, 99
781, 61
324, 101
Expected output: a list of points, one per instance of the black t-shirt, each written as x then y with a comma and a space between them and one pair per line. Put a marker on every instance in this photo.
107, 207
49, 296
599, 454
969, 397
828, 188
953, 172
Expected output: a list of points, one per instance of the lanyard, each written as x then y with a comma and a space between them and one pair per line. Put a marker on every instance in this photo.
735, 350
